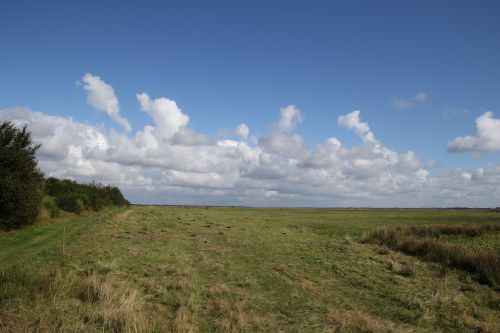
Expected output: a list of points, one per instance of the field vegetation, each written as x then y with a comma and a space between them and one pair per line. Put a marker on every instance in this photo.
209, 269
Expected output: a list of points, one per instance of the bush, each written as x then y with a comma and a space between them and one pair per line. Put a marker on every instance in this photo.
21, 181
50, 204
70, 202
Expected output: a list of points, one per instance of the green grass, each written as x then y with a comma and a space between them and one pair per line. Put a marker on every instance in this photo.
197, 269
490, 242
30, 243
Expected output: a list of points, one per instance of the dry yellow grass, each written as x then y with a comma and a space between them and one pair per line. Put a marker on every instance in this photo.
226, 310
184, 302
358, 321
118, 306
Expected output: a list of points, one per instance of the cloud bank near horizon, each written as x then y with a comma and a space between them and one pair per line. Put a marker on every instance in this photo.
168, 162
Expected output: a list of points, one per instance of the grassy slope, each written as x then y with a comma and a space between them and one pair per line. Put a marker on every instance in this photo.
234, 269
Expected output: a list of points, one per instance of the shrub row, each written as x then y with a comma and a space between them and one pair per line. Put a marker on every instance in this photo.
73, 197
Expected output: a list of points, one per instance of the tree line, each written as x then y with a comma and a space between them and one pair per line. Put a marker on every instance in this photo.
24, 190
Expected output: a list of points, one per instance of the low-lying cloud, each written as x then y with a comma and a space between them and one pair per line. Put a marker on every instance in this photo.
168, 162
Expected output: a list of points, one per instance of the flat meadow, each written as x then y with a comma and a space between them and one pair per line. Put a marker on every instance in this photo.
224, 269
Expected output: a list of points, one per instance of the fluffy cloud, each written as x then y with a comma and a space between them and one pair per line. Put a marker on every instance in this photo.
102, 97
370, 169
168, 118
487, 138
353, 121
406, 103
279, 141
242, 131
168, 162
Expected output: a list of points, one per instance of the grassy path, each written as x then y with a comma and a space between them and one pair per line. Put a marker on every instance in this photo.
23, 246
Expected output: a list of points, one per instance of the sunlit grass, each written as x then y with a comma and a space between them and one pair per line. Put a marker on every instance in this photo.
189, 269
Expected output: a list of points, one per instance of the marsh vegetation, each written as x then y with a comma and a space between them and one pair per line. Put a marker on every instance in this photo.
207, 269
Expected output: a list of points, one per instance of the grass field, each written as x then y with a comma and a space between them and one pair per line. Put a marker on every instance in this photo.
198, 269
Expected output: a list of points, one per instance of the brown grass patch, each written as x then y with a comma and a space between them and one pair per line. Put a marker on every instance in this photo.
118, 307
244, 282
277, 267
184, 321
134, 251
227, 312
184, 302
43, 213
357, 321
305, 247
404, 268
306, 285
347, 240
215, 248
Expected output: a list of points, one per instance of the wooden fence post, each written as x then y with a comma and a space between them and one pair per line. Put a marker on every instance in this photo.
63, 240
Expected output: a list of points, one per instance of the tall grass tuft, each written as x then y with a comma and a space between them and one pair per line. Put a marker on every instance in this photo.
424, 241
119, 308
48, 300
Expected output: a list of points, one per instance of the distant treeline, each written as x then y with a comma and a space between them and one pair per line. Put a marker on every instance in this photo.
73, 197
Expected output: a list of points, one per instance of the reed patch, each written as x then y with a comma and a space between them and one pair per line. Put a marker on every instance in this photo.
425, 241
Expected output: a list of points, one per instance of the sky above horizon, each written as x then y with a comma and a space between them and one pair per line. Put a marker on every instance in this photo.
261, 103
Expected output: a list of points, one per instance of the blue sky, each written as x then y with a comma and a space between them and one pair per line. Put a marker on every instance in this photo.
231, 62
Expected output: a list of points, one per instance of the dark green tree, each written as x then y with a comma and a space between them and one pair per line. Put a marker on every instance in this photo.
21, 181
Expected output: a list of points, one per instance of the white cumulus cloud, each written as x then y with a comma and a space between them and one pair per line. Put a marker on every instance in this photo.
353, 121
167, 116
278, 140
102, 97
487, 138
242, 131
169, 162
190, 167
